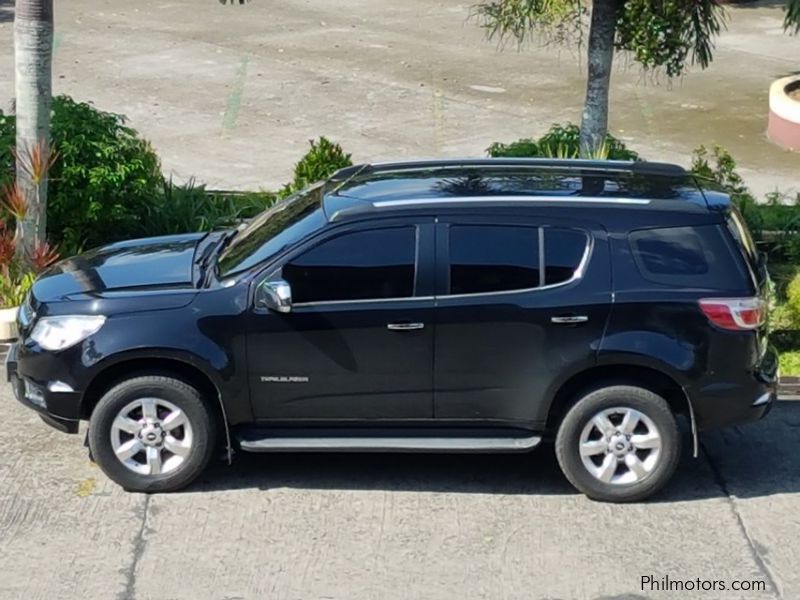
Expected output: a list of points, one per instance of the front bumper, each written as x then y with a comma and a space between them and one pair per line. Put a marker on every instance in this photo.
47, 398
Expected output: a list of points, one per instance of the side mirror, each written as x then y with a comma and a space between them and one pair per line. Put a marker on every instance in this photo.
275, 295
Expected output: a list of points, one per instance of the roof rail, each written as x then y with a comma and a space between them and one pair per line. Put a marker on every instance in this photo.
578, 164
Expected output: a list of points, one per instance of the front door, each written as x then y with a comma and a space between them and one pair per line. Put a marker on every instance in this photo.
520, 304
358, 342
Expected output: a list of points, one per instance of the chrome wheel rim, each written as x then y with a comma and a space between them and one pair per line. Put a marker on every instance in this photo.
151, 436
620, 446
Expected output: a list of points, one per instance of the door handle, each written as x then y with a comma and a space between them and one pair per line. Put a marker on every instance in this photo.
569, 319
405, 326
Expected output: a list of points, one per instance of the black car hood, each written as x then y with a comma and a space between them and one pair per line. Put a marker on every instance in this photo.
148, 264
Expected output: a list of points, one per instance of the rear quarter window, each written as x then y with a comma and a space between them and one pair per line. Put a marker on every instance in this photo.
697, 257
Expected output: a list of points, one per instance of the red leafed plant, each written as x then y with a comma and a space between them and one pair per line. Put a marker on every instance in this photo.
14, 201
36, 160
7, 248
42, 256
17, 273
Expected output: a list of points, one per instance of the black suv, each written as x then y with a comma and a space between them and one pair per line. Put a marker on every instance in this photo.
443, 306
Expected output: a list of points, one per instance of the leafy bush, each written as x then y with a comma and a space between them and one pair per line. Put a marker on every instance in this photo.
103, 180
14, 287
793, 300
790, 363
190, 207
561, 141
7, 141
720, 167
321, 161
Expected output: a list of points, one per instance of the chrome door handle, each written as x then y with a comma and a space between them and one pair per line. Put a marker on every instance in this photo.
405, 326
569, 319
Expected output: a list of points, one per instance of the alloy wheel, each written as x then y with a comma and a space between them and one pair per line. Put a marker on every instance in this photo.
620, 446
151, 436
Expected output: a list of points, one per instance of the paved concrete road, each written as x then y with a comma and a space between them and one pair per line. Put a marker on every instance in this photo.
232, 94
394, 526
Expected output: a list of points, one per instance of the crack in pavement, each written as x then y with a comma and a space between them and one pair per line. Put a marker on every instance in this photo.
139, 543
753, 548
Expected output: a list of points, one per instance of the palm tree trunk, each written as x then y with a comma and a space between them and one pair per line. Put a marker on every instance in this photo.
594, 122
33, 52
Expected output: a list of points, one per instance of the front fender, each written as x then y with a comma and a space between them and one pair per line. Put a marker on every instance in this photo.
217, 352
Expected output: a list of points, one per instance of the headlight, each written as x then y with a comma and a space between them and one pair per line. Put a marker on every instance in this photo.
58, 333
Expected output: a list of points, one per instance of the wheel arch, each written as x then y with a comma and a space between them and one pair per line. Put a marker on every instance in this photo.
124, 367
656, 380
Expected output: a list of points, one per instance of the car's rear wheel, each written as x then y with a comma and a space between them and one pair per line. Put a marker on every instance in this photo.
619, 443
152, 434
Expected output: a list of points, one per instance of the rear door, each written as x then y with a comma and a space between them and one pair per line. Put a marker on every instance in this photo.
521, 305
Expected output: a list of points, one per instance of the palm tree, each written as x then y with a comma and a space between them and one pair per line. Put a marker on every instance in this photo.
33, 56
657, 35
33, 51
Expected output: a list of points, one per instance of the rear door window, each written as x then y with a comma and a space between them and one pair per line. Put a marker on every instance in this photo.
686, 257
485, 258
499, 258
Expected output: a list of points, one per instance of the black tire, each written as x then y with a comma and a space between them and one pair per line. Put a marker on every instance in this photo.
178, 393
568, 443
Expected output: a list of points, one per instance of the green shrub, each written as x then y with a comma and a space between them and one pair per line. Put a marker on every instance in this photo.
561, 141
321, 161
103, 180
790, 363
190, 207
793, 299
7, 141
13, 288
522, 148
719, 167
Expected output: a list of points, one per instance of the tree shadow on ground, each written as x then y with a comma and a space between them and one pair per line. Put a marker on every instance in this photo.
757, 460
6, 11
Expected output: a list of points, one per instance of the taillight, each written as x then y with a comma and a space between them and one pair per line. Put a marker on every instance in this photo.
735, 313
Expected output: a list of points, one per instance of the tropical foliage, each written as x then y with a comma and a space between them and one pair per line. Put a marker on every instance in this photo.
561, 141
662, 35
322, 160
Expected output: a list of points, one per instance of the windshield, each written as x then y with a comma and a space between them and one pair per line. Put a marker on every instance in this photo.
273, 230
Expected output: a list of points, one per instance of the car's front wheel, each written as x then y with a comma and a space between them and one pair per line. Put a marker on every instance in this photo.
619, 443
151, 434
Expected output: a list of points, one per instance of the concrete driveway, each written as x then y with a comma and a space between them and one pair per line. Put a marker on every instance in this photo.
395, 526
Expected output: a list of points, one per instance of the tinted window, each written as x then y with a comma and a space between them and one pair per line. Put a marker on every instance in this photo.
563, 252
493, 258
363, 265
685, 256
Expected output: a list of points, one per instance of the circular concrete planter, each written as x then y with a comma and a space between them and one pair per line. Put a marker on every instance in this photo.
8, 324
784, 113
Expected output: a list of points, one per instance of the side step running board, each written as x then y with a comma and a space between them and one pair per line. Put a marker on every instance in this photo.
394, 442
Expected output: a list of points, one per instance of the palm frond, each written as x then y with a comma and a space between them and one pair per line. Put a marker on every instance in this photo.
792, 20
706, 20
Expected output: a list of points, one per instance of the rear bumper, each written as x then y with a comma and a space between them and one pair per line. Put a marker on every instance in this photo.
736, 402
41, 395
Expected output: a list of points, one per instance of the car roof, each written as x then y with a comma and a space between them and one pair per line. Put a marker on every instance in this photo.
450, 184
